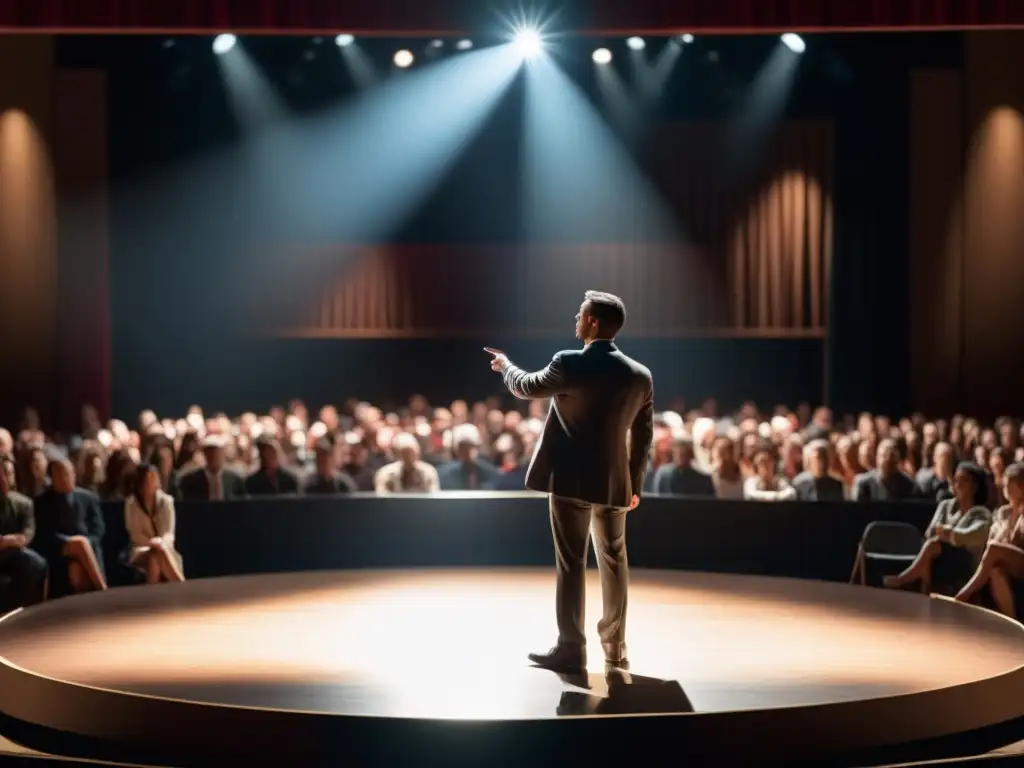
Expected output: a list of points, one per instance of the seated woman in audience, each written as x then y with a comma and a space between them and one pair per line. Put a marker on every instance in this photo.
956, 536
765, 484
149, 519
725, 472
1003, 560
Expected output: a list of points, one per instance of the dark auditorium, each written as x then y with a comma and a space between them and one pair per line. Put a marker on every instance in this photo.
501, 384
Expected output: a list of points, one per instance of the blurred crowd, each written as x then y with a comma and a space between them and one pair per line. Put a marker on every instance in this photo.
800, 453
55, 537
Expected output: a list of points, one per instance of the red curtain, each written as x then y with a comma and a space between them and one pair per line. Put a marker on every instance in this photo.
441, 16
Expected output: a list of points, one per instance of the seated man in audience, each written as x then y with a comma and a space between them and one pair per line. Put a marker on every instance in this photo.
69, 532
25, 568
886, 482
409, 474
816, 484
766, 484
326, 478
681, 478
212, 482
271, 479
467, 472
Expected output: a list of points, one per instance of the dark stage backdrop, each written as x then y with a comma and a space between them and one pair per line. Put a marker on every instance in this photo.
177, 268
737, 312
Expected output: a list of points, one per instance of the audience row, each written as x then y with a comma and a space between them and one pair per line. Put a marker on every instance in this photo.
800, 454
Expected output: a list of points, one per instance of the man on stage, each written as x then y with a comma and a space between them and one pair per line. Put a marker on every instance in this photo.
591, 461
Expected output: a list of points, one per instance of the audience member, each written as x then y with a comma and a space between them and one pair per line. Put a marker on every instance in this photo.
681, 478
513, 462
23, 566
887, 482
767, 484
149, 520
408, 474
212, 481
935, 482
326, 478
816, 484
956, 536
725, 470
271, 479
467, 471
69, 531
1002, 563
33, 479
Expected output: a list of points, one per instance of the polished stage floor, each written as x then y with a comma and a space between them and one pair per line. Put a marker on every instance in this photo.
452, 644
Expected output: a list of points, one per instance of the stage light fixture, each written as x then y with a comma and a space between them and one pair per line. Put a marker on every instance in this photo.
528, 43
437, 43
464, 45
636, 43
687, 38
224, 43
344, 40
602, 56
794, 42
404, 59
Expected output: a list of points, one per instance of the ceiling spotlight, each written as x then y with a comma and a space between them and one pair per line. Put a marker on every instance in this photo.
528, 43
404, 59
464, 45
344, 40
602, 56
437, 43
794, 42
636, 43
687, 38
223, 43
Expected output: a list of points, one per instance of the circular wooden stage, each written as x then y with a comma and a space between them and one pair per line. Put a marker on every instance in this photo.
430, 666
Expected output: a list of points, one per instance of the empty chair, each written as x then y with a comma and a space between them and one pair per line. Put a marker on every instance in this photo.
895, 545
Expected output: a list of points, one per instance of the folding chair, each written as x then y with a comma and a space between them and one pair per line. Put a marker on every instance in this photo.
886, 542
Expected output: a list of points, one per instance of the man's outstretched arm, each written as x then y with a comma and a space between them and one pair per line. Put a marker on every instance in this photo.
548, 382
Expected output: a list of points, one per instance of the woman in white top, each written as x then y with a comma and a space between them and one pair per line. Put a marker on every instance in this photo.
765, 484
726, 474
149, 518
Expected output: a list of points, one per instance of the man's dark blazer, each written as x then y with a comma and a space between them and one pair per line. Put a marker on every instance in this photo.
598, 396
195, 486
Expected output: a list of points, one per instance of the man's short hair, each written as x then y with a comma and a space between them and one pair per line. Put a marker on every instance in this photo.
609, 311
